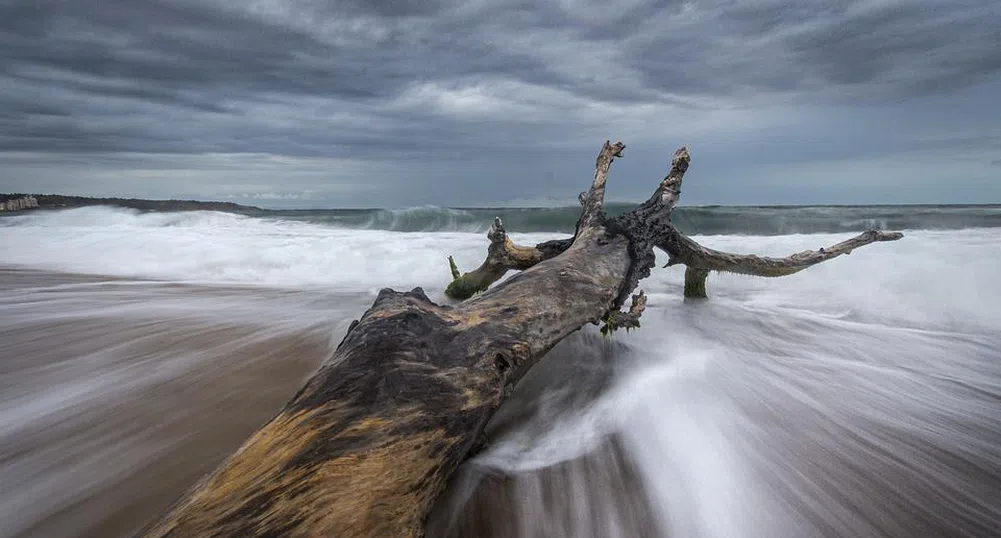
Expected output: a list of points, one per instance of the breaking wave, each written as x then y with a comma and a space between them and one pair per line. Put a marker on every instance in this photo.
769, 220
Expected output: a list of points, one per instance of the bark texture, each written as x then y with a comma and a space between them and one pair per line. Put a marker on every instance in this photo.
366, 447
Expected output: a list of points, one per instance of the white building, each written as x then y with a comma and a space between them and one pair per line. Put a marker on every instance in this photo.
17, 204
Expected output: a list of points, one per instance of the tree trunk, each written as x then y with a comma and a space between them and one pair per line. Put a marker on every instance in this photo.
366, 447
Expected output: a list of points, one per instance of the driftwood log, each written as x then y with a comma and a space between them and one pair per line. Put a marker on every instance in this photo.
365, 448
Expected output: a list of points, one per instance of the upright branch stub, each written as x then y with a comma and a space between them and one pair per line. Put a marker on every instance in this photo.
593, 200
669, 190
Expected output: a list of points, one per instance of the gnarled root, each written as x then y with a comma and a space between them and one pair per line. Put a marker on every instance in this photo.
616, 319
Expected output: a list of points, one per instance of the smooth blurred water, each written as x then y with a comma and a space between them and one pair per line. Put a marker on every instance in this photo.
704, 220
861, 397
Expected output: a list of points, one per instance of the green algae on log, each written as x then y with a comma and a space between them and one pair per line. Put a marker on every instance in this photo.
369, 443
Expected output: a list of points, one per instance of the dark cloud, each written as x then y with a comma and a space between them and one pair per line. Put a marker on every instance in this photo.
823, 51
412, 81
167, 47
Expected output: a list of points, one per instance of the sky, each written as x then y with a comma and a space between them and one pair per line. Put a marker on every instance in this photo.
382, 103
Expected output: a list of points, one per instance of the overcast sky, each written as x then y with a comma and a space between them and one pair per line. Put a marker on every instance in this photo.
348, 103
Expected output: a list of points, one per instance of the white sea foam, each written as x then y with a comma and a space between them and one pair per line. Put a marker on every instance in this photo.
211, 247
906, 280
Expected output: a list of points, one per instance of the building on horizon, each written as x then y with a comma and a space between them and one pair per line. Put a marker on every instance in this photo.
17, 204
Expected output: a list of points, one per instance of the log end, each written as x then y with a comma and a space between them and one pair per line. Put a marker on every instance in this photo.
885, 236
463, 288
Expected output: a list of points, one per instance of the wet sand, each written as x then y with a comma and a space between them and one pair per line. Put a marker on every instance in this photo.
117, 395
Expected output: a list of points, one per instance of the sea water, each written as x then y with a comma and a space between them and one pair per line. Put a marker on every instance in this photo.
861, 397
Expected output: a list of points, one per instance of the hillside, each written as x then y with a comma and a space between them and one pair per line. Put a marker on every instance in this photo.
58, 201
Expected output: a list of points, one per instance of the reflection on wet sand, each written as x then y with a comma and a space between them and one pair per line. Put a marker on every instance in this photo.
716, 421
117, 396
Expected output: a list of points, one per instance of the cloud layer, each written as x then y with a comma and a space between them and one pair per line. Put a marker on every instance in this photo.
406, 102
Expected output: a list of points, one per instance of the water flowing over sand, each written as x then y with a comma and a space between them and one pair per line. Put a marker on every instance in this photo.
861, 397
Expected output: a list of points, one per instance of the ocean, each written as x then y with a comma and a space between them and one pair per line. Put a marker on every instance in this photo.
858, 398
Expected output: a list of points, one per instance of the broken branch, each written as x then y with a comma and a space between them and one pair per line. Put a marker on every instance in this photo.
502, 256
593, 201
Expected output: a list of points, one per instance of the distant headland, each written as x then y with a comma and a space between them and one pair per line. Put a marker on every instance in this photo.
21, 201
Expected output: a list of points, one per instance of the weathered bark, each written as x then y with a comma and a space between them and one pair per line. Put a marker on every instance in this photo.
502, 256
700, 260
368, 444
650, 224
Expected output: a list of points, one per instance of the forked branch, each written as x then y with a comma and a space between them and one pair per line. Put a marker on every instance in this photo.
503, 255
647, 226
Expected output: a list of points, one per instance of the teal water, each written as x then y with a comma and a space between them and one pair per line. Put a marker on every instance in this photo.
706, 220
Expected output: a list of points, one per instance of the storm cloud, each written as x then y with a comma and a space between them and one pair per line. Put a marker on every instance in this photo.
362, 103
